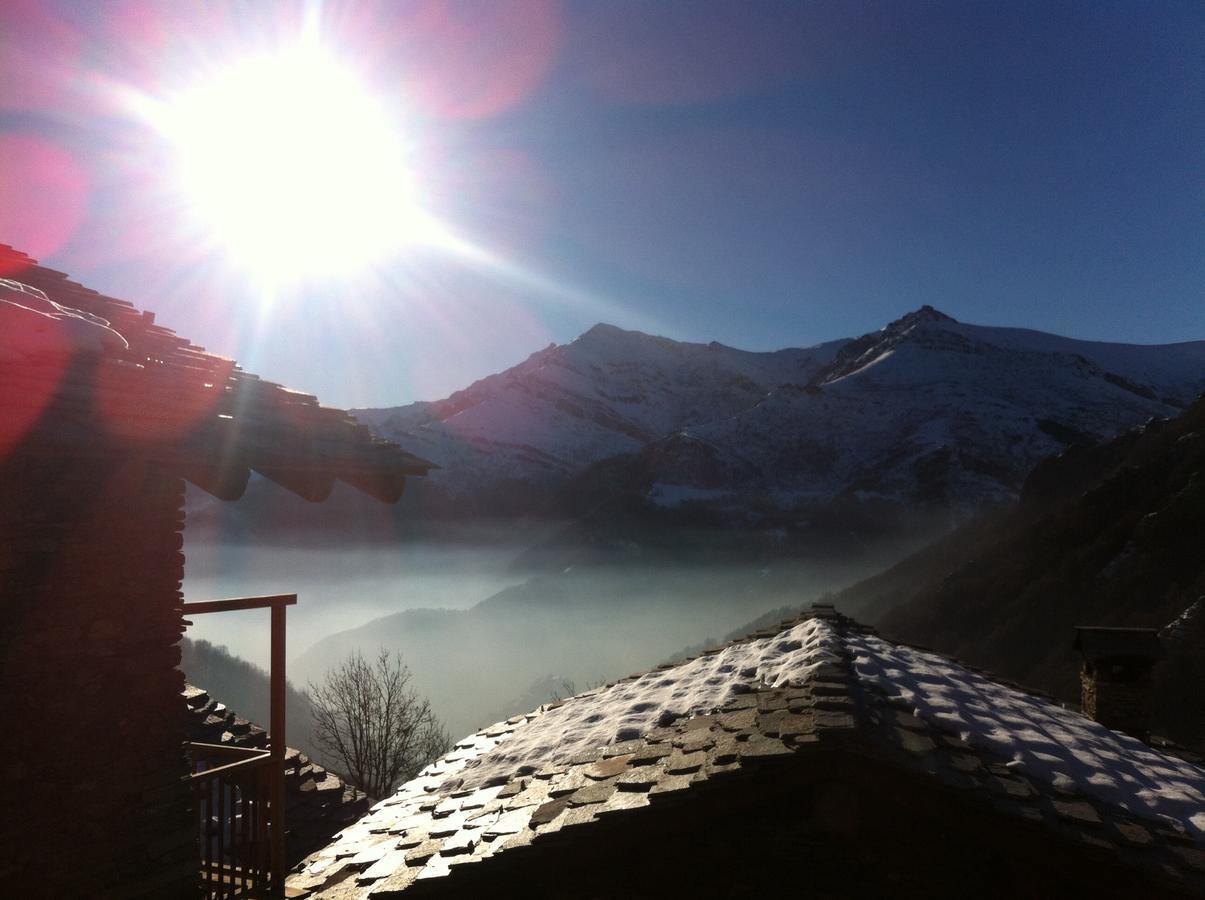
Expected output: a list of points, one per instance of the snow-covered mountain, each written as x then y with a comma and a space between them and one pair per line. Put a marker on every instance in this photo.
610, 392
926, 413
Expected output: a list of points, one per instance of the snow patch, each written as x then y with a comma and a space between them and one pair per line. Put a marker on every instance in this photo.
1047, 743
632, 709
1185, 624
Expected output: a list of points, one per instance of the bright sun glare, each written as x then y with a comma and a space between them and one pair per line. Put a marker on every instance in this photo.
292, 166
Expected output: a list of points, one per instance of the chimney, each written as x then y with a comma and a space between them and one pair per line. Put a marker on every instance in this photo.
1116, 676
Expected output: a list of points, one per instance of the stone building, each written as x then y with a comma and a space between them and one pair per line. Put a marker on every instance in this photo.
814, 759
1116, 676
104, 416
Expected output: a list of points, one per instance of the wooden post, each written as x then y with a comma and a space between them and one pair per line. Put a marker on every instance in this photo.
276, 735
277, 746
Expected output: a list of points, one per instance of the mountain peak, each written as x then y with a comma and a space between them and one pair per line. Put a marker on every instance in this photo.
607, 338
925, 314
605, 334
604, 331
863, 350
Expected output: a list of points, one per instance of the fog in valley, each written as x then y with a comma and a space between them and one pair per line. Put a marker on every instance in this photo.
337, 588
483, 639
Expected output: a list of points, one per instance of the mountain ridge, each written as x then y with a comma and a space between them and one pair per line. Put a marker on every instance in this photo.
925, 413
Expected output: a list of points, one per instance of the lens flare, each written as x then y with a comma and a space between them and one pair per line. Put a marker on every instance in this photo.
289, 163
43, 194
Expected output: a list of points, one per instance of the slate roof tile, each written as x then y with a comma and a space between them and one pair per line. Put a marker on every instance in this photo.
579, 815
761, 747
423, 851
738, 720
650, 754
623, 748
462, 842
678, 762
832, 704
510, 822
1077, 810
411, 840
383, 867
640, 778
535, 793
546, 812
444, 828
1133, 833
596, 792
608, 767
671, 784
623, 800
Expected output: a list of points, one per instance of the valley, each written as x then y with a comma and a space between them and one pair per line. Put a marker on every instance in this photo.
608, 502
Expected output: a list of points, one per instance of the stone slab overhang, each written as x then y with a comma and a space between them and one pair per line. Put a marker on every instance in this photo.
167, 400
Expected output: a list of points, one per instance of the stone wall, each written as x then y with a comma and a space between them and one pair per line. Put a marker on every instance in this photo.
91, 760
1118, 695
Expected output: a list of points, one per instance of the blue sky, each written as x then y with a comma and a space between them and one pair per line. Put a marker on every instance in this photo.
762, 174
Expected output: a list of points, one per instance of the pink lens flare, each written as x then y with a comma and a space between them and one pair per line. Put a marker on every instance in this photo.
463, 59
40, 57
43, 193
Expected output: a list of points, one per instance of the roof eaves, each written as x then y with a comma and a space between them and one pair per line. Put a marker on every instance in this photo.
168, 399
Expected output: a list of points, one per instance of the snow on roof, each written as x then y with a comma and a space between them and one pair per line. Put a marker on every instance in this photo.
32, 325
821, 689
1050, 744
630, 709
1046, 742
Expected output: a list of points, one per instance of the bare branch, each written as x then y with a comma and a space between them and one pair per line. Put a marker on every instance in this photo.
368, 718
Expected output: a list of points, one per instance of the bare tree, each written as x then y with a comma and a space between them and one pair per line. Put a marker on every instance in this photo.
568, 688
368, 718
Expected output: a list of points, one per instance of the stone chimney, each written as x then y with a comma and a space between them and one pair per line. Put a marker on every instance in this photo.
1116, 676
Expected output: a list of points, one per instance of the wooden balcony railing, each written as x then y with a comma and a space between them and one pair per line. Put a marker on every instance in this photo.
240, 797
232, 790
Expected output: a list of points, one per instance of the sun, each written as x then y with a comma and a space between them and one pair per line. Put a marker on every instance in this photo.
290, 164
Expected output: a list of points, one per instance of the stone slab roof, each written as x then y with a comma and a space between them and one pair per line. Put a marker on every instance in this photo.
778, 698
166, 398
320, 803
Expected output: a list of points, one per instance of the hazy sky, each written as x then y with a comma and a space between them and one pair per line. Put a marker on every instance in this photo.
763, 174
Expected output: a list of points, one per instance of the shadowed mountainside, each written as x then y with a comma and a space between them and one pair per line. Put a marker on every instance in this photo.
1109, 535
1104, 535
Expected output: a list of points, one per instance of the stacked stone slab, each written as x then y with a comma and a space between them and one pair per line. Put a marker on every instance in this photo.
320, 803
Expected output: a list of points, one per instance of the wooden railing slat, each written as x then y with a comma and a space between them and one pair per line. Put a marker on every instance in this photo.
230, 801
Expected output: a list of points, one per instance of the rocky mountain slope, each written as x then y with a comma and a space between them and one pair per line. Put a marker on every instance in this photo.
927, 415
507, 441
